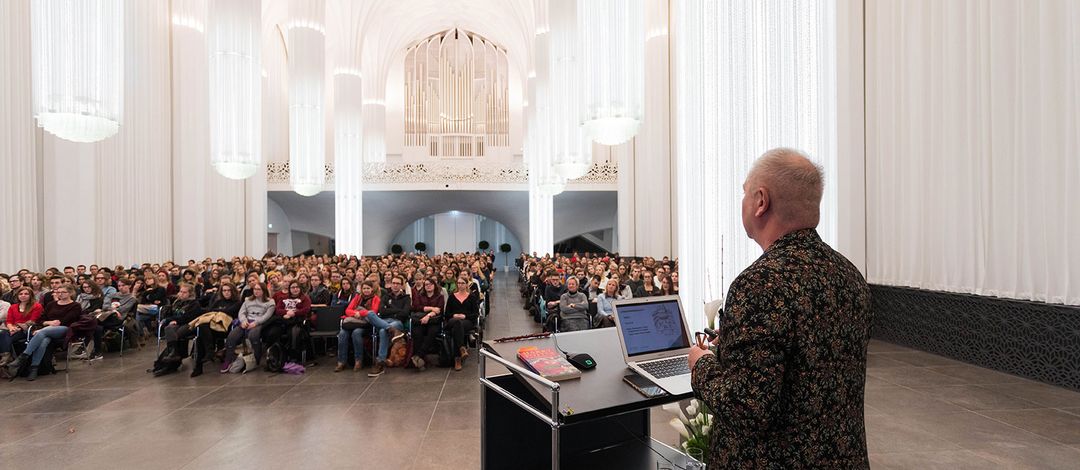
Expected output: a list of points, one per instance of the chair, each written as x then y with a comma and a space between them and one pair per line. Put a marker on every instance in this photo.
327, 324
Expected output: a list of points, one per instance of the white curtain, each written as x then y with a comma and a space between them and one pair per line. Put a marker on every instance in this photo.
134, 166
972, 134
749, 76
344, 19
19, 193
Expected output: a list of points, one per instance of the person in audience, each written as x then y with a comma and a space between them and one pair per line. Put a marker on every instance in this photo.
21, 315
177, 331
675, 282
14, 283
647, 288
605, 311
573, 307
319, 294
355, 320
56, 318
162, 280
190, 278
344, 294
118, 308
462, 312
56, 281
226, 299
665, 286
395, 308
292, 312
256, 310
104, 282
427, 305
150, 298
90, 297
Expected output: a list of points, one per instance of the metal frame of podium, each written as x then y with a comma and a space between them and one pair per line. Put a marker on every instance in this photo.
522, 413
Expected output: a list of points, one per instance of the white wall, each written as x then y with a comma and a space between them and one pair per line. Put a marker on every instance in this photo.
278, 222
455, 232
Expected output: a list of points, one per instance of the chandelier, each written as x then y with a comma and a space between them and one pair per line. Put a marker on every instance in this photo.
78, 67
307, 63
571, 151
234, 33
613, 35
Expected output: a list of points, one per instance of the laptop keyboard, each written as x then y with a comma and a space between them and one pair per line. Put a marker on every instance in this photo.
667, 367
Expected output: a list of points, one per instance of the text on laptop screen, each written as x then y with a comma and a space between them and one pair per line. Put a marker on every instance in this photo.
652, 327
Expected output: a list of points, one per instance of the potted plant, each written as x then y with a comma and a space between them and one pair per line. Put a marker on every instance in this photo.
505, 248
694, 425
484, 245
396, 249
420, 247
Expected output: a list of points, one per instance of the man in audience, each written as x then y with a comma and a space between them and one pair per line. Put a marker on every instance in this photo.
55, 283
786, 382
176, 331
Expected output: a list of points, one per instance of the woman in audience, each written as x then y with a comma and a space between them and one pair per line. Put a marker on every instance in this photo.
256, 310
647, 288
317, 291
226, 300
427, 305
604, 309
573, 307
353, 323
90, 297
20, 317
292, 312
55, 320
344, 294
462, 311
665, 286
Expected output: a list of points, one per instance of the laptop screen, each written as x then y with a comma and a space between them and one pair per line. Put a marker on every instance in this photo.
652, 327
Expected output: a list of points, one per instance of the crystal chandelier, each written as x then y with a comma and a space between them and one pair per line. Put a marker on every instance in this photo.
613, 35
78, 67
234, 33
307, 63
571, 151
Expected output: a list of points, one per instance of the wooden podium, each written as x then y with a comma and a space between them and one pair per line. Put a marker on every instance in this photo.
595, 422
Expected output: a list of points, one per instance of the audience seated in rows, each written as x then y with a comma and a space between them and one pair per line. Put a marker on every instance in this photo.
245, 303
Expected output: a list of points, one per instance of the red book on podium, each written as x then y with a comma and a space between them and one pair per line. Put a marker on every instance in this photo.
548, 362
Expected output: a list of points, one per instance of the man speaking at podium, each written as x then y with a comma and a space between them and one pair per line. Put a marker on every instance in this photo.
786, 382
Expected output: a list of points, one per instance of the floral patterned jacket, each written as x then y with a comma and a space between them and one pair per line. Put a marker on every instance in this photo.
786, 383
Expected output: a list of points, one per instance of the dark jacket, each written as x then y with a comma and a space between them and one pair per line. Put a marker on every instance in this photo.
320, 296
67, 314
786, 384
228, 307
397, 307
421, 300
182, 312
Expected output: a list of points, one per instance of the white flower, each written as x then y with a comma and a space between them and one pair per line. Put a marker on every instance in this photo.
693, 409
678, 425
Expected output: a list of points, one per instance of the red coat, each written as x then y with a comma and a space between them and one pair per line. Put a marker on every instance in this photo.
357, 307
15, 317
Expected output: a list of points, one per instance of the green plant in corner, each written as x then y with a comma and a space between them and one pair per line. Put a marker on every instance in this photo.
484, 245
420, 246
396, 249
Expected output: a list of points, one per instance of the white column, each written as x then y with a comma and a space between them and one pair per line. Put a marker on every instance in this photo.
541, 223
344, 19
19, 160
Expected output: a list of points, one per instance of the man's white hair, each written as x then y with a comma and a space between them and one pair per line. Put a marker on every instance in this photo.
795, 183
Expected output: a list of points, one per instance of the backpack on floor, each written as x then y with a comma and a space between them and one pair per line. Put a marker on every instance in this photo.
399, 354
446, 351
275, 358
168, 361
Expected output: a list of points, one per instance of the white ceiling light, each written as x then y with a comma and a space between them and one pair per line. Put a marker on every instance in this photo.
571, 150
233, 40
613, 35
78, 67
307, 65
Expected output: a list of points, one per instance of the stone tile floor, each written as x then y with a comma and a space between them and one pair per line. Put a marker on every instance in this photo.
922, 412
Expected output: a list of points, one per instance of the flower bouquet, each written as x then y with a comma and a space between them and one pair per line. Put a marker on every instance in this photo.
693, 425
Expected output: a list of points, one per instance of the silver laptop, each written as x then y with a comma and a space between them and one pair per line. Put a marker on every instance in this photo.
655, 340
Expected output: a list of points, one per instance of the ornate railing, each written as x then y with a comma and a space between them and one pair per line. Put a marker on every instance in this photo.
447, 172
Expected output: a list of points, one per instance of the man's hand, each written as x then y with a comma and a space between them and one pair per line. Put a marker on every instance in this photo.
697, 352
